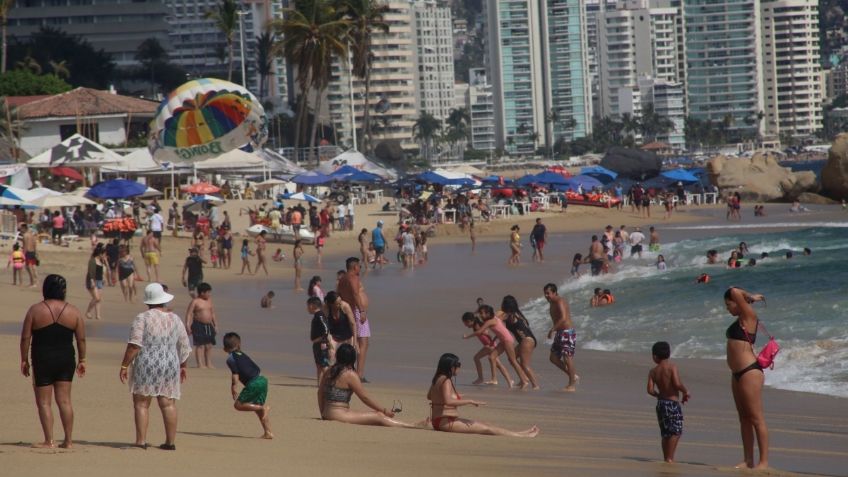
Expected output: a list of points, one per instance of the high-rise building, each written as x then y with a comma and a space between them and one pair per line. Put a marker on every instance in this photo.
793, 76
593, 9
481, 110
538, 66
639, 38
392, 97
116, 26
724, 72
433, 40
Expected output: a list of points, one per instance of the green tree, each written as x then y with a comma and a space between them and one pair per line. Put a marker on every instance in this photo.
312, 36
425, 129
225, 17
5, 6
87, 66
60, 68
27, 83
652, 124
30, 64
365, 17
150, 53
264, 59
457, 130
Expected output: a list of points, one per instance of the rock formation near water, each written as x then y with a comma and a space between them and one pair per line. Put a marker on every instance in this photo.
632, 163
835, 173
759, 178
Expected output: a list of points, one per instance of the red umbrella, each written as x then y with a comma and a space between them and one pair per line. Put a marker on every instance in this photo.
201, 188
71, 174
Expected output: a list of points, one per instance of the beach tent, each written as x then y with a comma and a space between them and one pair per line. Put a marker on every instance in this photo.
352, 174
598, 172
358, 160
469, 170
311, 178
16, 175
24, 195
137, 161
430, 177
76, 151
301, 196
235, 159
278, 163
461, 177
680, 175
526, 180
587, 182
116, 189
550, 178
269, 184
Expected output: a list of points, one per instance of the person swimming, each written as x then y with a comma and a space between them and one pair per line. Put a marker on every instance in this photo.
703, 278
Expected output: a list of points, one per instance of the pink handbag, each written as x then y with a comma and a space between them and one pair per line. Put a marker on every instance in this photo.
766, 357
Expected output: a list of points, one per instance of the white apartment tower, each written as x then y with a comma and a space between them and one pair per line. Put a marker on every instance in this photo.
538, 65
392, 97
434, 45
481, 109
793, 86
724, 71
639, 38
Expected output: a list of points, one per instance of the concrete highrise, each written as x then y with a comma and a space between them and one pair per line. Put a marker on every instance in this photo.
538, 67
724, 71
481, 109
793, 76
392, 97
433, 41
638, 38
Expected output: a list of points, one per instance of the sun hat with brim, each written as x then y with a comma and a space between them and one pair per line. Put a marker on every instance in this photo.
154, 294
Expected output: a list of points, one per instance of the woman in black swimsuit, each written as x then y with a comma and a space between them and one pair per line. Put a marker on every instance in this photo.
51, 326
525, 341
340, 320
94, 280
748, 378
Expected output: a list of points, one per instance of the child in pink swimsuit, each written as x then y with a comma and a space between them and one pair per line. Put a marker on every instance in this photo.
507, 341
489, 350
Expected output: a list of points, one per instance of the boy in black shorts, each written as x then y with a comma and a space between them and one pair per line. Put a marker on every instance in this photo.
255, 391
664, 384
320, 336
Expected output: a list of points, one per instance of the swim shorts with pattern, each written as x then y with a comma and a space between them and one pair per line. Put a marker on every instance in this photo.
564, 343
669, 417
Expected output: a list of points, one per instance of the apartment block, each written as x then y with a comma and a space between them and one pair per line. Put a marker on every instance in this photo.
433, 42
481, 110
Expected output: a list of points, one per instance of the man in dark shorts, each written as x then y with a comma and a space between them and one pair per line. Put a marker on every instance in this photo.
596, 256
30, 253
539, 235
194, 268
202, 323
320, 336
113, 250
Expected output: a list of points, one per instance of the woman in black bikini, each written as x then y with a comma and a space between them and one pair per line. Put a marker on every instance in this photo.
51, 326
525, 341
337, 386
94, 280
748, 377
445, 400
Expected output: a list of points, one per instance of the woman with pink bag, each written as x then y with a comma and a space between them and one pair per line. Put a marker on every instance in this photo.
748, 376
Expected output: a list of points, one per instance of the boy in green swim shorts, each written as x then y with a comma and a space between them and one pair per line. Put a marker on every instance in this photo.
255, 391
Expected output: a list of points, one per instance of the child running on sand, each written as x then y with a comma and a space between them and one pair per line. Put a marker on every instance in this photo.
252, 397
320, 335
266, 301
664, 384
489, 350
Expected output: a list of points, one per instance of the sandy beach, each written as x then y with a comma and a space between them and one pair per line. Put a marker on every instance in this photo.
607, 428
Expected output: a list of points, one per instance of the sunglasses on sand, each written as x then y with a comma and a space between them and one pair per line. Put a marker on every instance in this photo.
397, 406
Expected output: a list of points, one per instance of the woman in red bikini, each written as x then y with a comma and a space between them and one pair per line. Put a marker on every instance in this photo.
444, 401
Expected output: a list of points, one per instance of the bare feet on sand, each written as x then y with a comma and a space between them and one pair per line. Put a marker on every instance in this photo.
477, 382
44, 445
66, 445
532, 432
265, 417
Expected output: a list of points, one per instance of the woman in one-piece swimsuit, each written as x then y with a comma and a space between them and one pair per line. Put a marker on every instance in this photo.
518, 325
747, 375
507, 341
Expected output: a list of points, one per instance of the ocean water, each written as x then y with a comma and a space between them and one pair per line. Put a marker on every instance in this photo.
806, 303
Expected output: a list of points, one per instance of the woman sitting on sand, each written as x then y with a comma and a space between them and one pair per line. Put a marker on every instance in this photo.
337, 386
444, 401
748, 376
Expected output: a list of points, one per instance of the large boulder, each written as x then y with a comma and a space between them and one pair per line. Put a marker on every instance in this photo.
632, 163
834, 176
759, 178
390, 151
812, 198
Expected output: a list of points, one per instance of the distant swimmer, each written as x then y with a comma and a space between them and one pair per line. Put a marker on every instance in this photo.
752, 262
807, 251
712, 257
703, 278
602, 298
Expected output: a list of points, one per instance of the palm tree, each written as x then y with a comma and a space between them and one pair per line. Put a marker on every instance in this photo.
5, 6
60, 68
312, 36
425, 129
149, 53
366, 18
29, 63
264, 59
457, 122
225, 17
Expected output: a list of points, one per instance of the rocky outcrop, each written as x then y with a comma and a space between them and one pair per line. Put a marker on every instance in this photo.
835, 173
632, 163
759, 178
811, 198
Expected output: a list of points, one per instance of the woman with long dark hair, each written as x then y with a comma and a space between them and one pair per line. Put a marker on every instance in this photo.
314, 288
337, 386
97, 266
525, 341
50, 327
445, 401
748, 378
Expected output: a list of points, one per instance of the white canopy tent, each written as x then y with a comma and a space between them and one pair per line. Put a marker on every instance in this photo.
231, 160
77, 151
358, 160
137, 161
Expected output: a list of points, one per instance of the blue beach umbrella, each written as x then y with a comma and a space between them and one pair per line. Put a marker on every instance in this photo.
311, 178
431, 177
526, 180
680, 175
587, 182
601, 173
301, 196
550, 178
116, 189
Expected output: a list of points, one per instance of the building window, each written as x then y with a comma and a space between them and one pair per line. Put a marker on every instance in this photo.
89, 130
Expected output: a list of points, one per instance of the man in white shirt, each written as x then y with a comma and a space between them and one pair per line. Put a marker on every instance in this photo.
156, 223
636, 239
350, 216
341, 212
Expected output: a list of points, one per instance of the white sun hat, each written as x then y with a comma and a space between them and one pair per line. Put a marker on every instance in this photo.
154, 294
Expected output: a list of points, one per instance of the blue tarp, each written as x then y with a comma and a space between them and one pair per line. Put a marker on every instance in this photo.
601, 173
352, 174
311, 178
550, 178
680, 175
116, 189
587, 182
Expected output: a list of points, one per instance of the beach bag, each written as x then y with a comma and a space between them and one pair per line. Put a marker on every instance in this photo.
769, 351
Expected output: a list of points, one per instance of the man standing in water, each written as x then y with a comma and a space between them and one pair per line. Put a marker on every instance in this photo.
596, 256
351, 290
539, 234
379, 241
564, 336
260, 252
30, 254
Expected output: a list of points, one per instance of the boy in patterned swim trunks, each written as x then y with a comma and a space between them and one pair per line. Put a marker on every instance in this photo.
255, 391
664, 384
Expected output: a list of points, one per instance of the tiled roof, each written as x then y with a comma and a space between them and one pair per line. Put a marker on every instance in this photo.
655, 146
82, 102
